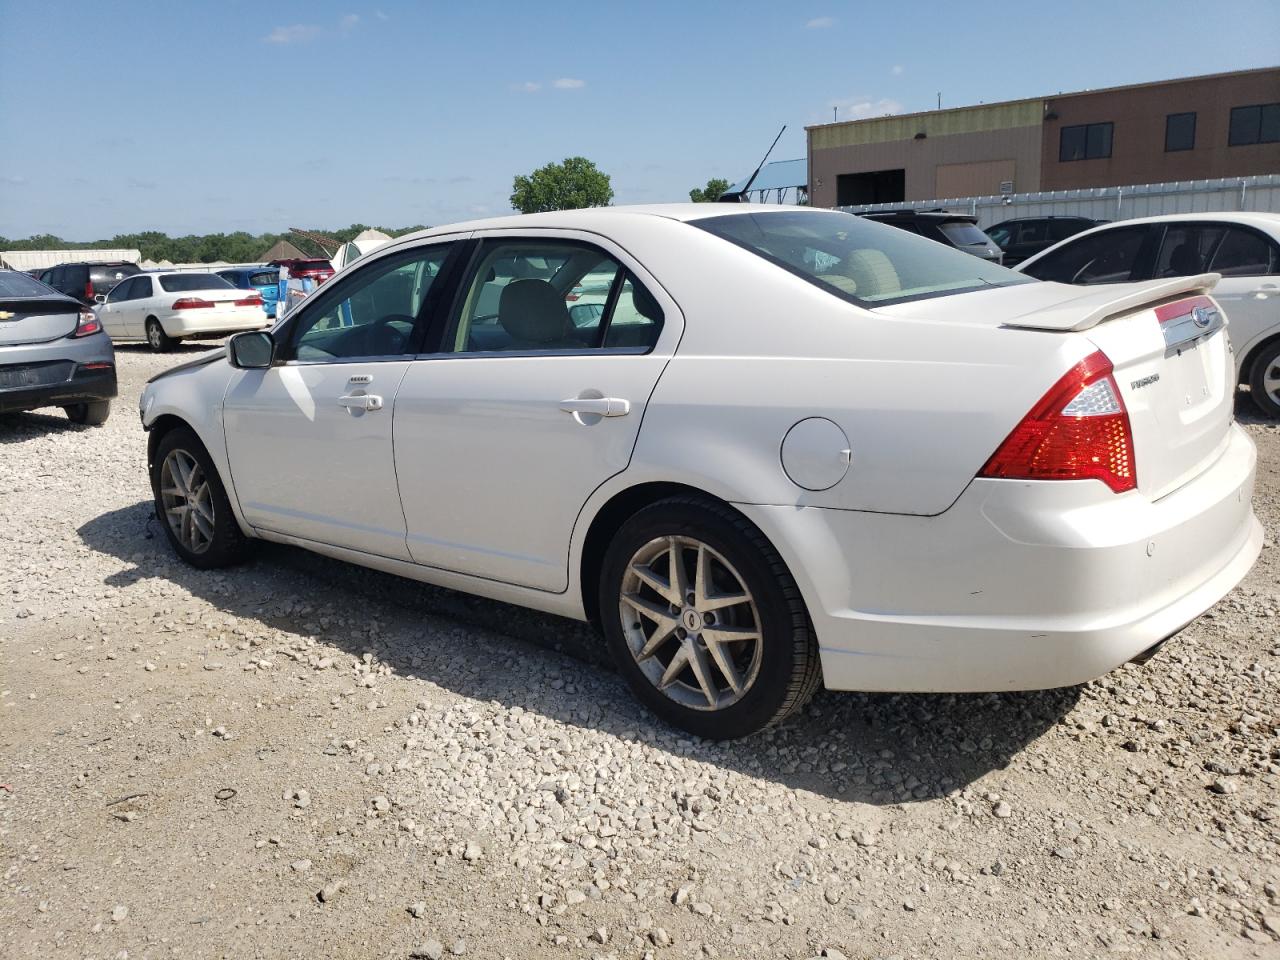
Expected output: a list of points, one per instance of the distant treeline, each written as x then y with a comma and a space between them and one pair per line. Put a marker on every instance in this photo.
239, 247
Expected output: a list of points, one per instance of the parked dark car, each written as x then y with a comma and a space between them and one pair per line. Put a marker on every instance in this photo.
315, 268
265, 280
86, 281
957, 230
53, 352
1026, 236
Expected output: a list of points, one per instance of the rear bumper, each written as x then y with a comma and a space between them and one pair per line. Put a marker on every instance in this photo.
1019, 585
194, 327
77, 365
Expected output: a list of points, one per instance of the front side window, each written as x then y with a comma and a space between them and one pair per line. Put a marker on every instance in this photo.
1002, 235
1110, 256
1243, 253
858, 259
122, 291
533, 296
1179, 132
1085, 141
373, 312
1259, 123
1186, 249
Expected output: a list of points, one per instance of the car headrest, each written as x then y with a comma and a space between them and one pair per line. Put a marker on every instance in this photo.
532, 311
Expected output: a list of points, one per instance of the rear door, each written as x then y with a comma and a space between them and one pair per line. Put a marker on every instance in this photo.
142, 303
530, 402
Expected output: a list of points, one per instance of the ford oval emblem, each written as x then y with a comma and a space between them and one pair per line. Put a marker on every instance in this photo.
1202, 316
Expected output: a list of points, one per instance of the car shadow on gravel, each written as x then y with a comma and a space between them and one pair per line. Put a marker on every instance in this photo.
32, 425
871, 748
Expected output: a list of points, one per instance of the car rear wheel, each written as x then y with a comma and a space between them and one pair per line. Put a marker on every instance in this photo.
192, 505
1264, 380
157, 339
94, 413
704, 620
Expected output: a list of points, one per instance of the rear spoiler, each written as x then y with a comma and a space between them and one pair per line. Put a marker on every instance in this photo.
1099, 303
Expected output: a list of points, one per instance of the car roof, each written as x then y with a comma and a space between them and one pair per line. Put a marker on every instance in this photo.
1270, 220
943, 215
595, 218
1050, 216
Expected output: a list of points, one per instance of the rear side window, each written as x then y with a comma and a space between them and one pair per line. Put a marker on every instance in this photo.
857, 259
141, 289
183, 282
1243, 253
1110, 256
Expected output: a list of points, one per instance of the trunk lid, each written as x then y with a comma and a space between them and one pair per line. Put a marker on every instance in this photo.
1172, 364
37, 320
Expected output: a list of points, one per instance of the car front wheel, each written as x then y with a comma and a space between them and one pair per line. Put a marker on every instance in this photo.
191, 503
704, 620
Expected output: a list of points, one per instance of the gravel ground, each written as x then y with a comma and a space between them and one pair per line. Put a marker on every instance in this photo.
302, 758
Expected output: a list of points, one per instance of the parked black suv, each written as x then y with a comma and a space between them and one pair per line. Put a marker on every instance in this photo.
1026, 236
85, 281
958, 230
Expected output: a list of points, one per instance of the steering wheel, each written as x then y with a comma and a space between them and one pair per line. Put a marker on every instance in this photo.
384, 340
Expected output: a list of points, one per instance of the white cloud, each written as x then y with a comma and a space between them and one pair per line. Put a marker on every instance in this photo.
820, 23
349, 21
16, 181
297, 33
568, 83
380, 15
896, 70
529, 86
859, 108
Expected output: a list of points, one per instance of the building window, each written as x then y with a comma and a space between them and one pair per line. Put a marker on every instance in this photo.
1086, 141
1179, 132
1259, 123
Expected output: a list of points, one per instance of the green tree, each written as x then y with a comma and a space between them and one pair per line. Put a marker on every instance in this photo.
571, 185
711, 192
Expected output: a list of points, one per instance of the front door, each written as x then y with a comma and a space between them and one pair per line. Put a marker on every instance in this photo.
113, 312
534, 399
309, 439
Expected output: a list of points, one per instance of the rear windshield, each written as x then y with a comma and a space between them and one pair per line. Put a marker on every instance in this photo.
20, 285
265, 279
182, 282
857, 259
963, 233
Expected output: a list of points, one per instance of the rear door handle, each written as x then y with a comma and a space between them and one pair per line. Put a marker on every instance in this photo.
360, 401
599, 406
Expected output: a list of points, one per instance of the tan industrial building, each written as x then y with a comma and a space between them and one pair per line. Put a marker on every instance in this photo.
1221, 125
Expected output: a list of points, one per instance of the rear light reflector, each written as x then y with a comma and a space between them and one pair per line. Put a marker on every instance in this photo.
1078, 431
253, 301
96, 366
87, 324
88, 290
191, 303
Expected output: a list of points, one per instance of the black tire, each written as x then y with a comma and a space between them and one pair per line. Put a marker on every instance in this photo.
93, 413
157, 339
1268, 359
228, 544
789, 671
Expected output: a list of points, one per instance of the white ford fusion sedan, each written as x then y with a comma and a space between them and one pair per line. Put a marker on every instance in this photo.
791, 446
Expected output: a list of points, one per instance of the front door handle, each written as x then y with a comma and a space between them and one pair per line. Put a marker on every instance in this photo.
597, 406
360, 401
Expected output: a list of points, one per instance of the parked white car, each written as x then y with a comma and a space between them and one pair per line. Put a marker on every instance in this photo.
1244, 248
164, 308
798, 447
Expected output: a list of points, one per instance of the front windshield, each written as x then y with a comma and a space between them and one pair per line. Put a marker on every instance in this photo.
871, 264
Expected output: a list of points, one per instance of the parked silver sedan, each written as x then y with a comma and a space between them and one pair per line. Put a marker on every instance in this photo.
53, 352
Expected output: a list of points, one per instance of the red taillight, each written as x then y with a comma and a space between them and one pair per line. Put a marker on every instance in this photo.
88, 290
251, 301
87, 324
1078, 431
191, 303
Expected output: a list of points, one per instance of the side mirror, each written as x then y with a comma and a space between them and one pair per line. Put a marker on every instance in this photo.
252, 350
99, 298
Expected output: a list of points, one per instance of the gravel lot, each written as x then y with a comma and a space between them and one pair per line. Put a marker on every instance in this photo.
300, 758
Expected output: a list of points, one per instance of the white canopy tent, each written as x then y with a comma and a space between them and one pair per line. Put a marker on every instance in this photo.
365, 242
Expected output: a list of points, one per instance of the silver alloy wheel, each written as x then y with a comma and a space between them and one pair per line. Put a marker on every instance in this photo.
691, 623
187, 500
154, 334
1271, 380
